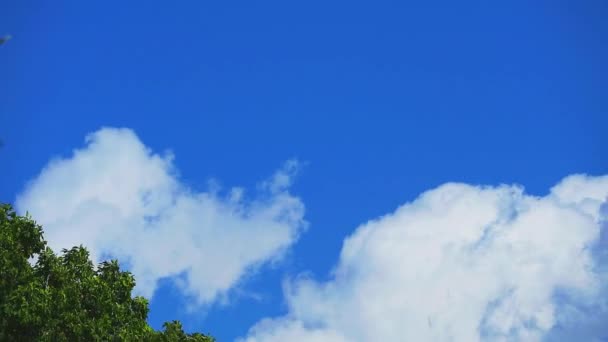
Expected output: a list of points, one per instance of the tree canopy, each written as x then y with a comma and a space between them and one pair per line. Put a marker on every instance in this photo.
65, 297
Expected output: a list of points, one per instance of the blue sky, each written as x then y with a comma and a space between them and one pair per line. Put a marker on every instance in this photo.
378, 102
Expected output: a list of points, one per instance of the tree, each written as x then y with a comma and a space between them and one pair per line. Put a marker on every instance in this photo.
5, 39
64, 297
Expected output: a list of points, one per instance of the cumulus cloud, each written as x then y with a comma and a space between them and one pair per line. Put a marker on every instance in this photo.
462, 263
119, 199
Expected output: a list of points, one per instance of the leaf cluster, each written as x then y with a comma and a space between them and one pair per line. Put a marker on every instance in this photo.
50, 297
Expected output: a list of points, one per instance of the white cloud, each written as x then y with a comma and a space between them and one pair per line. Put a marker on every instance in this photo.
118, 198
459, 263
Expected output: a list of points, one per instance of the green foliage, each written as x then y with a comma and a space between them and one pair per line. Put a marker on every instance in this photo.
64, 297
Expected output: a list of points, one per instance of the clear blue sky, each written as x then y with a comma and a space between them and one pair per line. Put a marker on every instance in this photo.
380, 101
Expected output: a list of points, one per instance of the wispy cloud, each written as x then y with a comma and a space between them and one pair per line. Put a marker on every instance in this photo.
120, 199
462, 263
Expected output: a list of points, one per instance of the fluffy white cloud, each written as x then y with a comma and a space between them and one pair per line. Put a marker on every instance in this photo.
119, 199
459, 263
